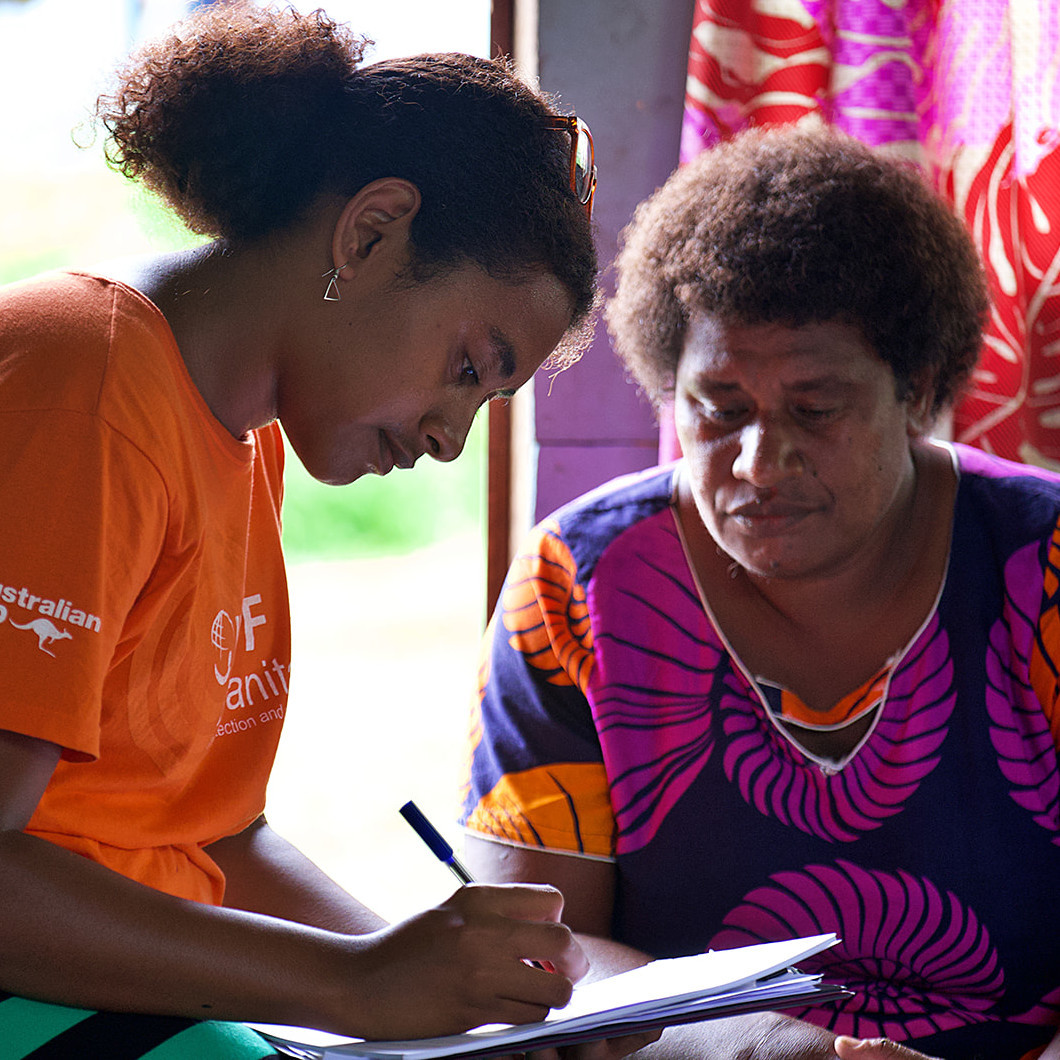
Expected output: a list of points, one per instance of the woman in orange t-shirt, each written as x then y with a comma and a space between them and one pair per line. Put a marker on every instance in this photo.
392, 246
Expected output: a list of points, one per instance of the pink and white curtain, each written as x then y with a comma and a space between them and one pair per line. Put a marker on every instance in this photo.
967, 89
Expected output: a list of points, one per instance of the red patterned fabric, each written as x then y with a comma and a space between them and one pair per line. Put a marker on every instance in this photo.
967, 89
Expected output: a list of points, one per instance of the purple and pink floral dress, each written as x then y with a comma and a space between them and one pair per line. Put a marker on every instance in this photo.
614, 722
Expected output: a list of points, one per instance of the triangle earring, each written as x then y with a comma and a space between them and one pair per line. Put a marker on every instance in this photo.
331, 292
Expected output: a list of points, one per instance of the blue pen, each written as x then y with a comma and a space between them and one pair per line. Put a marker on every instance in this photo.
444, 853
430, 835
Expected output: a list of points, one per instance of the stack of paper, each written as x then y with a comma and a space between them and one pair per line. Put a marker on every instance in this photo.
660, 994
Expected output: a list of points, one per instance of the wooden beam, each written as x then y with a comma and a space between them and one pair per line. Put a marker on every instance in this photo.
499, 455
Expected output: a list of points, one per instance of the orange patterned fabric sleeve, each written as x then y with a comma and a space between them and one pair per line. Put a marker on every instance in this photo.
534, 773
559, 807
544, 612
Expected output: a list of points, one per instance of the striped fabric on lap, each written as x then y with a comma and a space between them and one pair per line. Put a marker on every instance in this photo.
33, 1030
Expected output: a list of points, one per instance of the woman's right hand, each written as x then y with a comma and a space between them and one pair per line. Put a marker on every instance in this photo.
462, 964
847, 1048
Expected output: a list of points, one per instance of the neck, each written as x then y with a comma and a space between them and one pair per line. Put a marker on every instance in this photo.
233, 315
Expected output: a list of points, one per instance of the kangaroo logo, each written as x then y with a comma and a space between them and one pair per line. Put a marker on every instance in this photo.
47, 633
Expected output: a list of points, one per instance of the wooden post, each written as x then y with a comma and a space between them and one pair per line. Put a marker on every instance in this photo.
499, 454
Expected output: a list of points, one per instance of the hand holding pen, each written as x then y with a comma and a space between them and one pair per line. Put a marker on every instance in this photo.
590, 1050
461, 964
444, 853
597, 1050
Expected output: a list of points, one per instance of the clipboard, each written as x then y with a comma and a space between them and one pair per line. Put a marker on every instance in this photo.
662, 993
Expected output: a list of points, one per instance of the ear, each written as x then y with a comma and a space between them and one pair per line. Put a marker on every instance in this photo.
375, 220
920, 412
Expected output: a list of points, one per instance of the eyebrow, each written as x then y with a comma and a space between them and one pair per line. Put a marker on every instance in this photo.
824, 382
504, 351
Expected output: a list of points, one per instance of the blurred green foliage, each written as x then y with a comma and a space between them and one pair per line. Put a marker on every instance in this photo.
374, 516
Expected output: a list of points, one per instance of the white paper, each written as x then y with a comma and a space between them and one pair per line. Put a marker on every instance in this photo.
664, 989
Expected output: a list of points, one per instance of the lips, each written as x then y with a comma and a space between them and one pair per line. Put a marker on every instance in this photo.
772, 515
392, 454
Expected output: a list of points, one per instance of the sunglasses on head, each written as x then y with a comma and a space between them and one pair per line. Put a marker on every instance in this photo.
582, 158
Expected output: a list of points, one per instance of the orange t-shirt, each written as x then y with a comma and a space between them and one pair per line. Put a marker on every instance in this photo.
144, 621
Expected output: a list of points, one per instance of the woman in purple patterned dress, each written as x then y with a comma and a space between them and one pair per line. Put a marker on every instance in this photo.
805, 679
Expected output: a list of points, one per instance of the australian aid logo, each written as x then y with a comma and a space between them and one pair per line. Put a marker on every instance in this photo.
50, 621
254, 679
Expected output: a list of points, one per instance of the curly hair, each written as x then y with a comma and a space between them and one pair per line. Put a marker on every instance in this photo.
243, 117
794, 225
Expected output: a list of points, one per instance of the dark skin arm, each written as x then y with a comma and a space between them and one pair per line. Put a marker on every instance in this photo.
264, 873
73, 932
588, 889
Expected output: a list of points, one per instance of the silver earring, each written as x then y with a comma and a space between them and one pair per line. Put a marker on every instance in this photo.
331, 292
